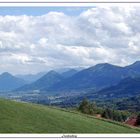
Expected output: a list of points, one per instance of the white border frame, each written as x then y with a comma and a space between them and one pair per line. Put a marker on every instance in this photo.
69, 135
69, 3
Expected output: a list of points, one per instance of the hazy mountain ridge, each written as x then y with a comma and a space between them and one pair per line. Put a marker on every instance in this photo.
94, 78
9, 82
30, 77
97, 77
127, 87
45, 81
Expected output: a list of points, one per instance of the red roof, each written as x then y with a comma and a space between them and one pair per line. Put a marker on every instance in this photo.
131, 121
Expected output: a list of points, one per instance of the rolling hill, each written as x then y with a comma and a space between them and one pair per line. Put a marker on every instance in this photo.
9, 82
17, 117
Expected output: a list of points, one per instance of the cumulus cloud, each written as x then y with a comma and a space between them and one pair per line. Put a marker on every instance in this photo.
29, 44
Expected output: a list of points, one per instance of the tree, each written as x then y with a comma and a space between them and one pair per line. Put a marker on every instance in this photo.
107, 114
113, 115
85, 106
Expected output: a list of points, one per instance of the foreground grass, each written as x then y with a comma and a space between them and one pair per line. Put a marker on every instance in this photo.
18, 117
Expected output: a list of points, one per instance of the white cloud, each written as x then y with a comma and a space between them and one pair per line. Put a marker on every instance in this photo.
38, 43
43, 42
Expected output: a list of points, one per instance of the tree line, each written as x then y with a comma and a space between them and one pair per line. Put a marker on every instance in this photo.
90, 108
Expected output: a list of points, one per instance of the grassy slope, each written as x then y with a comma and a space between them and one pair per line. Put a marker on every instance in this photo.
18, 117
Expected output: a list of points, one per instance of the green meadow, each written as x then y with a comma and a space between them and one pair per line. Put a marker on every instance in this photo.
17, 117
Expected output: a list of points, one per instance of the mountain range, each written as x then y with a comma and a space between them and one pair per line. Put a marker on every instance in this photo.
96, 78
30, 78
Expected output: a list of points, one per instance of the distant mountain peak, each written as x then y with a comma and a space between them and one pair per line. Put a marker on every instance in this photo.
135, 66
44, 82
103, 66
52, 72
136, 63
9, 82
6, 74
106, 65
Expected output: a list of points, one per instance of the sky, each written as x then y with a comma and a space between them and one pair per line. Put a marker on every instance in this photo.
35, 39
37, 11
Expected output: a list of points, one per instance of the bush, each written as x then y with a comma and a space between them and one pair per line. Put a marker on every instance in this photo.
114, 115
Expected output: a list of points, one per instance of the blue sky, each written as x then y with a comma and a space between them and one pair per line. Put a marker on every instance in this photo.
36, 11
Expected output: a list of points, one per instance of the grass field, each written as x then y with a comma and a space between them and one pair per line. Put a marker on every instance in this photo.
16, 117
